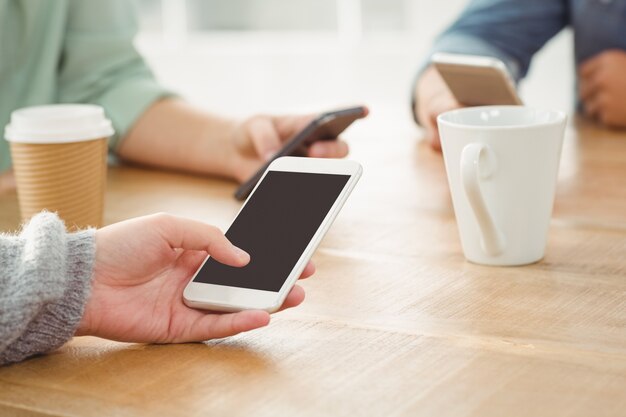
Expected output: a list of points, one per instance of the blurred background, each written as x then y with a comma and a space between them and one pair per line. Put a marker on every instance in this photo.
245, 56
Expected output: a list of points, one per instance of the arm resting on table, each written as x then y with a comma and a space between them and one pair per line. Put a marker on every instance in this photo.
45, 277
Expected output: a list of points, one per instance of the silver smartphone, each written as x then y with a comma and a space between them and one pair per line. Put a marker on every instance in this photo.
280, 225
477, 80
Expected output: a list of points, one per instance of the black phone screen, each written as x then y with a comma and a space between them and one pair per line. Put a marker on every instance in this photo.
275, 227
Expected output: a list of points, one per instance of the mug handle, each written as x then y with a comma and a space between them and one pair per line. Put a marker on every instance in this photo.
478, 162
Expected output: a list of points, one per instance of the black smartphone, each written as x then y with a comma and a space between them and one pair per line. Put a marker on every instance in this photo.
326, 127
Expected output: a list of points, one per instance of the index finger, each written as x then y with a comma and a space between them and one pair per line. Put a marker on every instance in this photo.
589, 67
588, 87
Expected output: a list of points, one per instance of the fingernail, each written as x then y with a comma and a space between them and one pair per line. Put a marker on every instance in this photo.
241, 254
269, 155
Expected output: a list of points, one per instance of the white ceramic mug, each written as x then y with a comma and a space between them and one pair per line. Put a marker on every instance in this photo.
502, 164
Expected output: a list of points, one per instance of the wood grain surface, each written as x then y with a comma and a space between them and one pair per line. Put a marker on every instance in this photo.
396, 322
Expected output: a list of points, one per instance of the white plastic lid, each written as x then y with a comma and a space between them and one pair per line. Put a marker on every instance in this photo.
58, 123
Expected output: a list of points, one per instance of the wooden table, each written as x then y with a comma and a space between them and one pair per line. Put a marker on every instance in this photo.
396, 322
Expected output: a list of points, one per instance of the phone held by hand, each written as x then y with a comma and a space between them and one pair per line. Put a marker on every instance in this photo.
325, 127
280, 225
477, 80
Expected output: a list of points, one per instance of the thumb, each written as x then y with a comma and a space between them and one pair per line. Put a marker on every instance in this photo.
181, 233
433, 133
264, 136
435, 140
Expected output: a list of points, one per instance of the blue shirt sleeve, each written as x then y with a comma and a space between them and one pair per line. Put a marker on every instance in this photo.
511, 30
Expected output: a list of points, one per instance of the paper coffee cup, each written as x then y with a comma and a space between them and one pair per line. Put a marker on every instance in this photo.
59, 157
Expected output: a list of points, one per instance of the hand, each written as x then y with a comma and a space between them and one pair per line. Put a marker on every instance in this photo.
175, 135
258, 138
432, 97
603, 87
141, 268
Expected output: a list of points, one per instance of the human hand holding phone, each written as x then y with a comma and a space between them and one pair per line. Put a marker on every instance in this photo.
318, 137
258, 138
456, 80
281, 224
432, 97
142, 266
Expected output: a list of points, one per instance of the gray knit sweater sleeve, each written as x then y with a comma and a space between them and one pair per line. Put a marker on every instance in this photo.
45, 279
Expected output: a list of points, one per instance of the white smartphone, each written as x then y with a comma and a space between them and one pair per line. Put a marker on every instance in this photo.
280, 225
476, 80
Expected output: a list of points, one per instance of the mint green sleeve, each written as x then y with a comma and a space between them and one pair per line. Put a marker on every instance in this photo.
100, 64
